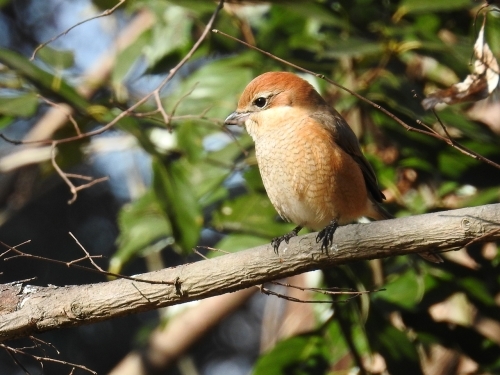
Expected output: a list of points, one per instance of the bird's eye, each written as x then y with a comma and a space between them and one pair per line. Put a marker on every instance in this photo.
260, 102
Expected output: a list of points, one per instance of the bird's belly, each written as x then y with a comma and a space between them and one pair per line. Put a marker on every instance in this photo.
296, 194
309, 187
301, 212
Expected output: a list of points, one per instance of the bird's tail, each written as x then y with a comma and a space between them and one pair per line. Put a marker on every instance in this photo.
381, 212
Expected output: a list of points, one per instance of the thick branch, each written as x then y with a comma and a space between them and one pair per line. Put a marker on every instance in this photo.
37, 309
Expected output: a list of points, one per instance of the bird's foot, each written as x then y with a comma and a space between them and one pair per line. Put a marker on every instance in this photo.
325, 236
276, 241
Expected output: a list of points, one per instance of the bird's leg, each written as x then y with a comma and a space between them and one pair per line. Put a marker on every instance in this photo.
325, 236
275, 243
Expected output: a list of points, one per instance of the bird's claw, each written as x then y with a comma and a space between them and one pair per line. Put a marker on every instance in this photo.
325, 236
276, 241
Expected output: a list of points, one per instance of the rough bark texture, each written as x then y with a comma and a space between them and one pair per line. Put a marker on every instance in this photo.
30, 309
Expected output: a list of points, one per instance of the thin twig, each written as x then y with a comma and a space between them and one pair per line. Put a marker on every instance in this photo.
293, 299
107, 12
65, 176
40, 359
328, 291
63, 110
479, 239
166, 117
87, 255
72, 264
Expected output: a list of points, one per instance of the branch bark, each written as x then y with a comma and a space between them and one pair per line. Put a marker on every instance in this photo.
27, 310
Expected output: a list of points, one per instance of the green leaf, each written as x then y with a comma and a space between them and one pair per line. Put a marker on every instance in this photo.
42, 79
252, 213
335, 341
253, 178
19, 106
234, 242
417, 163
394, 345
483, 197
143, 228
476, 289
427, 6
124, 62
397, 348
171, 31
178, 202
207, 181
404, 290
5, 121
453, 164
217, 86
353, 47
57, 59
300, 355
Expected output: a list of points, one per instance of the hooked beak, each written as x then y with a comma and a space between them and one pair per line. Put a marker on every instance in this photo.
237, 118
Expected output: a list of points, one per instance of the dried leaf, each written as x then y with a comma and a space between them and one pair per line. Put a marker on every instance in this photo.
477, 85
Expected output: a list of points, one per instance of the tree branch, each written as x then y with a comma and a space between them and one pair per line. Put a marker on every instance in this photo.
33, 309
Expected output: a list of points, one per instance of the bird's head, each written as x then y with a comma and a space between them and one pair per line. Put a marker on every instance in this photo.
270, 96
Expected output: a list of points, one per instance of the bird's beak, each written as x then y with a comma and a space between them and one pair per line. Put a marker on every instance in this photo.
237, 118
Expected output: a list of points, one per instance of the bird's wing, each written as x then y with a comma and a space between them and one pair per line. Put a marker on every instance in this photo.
346, 139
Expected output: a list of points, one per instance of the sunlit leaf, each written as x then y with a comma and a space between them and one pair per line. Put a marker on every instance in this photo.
57, 59
216, 87
124, 62
19, 106
171, 31
477, 289
300, 355
251, 213
41, 78
404, 290
5, 121
234, 242
177, 201
143, 226
419, 6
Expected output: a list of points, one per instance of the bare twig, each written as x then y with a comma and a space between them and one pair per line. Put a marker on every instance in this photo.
479, 239
73, 189
64, 110
166, 117
11, 351
214, 249
87, 255
13, 141
107, 12
72, 264
326, 291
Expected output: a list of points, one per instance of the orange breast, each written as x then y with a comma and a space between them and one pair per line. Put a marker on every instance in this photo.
309, 179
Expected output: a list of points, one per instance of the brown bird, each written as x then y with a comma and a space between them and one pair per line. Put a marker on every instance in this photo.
309, 158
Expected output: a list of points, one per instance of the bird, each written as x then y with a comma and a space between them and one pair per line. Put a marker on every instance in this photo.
310, 160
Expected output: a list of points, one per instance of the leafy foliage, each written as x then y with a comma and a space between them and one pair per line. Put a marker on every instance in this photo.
391, 52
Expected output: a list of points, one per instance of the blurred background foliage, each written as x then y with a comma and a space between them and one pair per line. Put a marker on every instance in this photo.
191, 182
